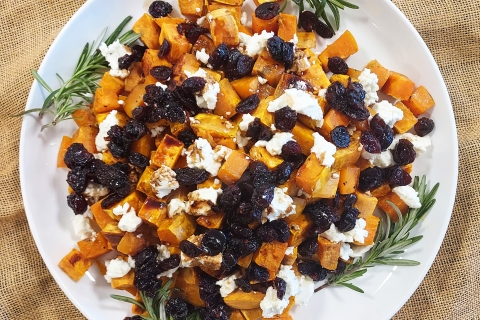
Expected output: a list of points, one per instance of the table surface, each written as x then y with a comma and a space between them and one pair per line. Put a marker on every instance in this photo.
451, 29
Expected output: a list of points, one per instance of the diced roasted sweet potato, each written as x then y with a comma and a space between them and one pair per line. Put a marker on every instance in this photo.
176, 229
230, 2
167, 152
223, 27
316, 77
168, 20
179, 44
306, 40
270, 255
330, 189
328, 253
112, 233
343, 79
204, 42
143, 183
365, 204
371, 227
266, 67
243, 300
100, 216
287, 26
265, 90
283, 83
261, 154
187, 62
234, 10
105, 100
134, 99
66, 142
408, 168
258, 25
312, 176
299, 229
148, 30
304, 137
74, 264
191, 7
130, 244
289, 259
245, 261
233, 168
349, 179
398, 86
354, 73
388, 209
145, 145
236, 315
299, 206
211, 222
419, 101
125, 282
262, 113
253, 314
211, 126
246, 86
345, 157
84, 117
227, 100
111, 83
93, 247
188, 282
408, 120
381, 191
86, 136
290, 185
151, 59
153, 211
333, 119
343, 47
381, 72
135, 77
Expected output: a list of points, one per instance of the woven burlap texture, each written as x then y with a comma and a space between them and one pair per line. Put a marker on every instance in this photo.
451, 289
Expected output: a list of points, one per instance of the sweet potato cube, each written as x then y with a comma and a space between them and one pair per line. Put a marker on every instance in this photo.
223, 27
306, 40
265, 90
211, 222
291, 185
398, 86
299, 229
153, 211
227, 100
354, 73
233, 168
176, 229
74, 264
270, 255
105, 100
112, 233
186, 63
371, 227
236, 315
382, 73
125, 282
134, 99
262, 113
210, 183
408, 168
211, 126
100, 216
284, 83
253, 314
312, 176
328, 253
111, 83
143, 183
234, 10
188, 282
342, 78
135, 77
381, 191
299, 206
343, 47
365, 204
149, 31
330, 189
145, 145
84, 117
348, 156
266, 67
191, 7
230, 2
388, 209
178, 42
261, 154
130, 244
245, 261
287, 26
151, 59
86, 136
316, 77
243, 300
349, 179
408, 120
93, 247
167, 152
420, 101
66, 142
304, 137
168, 20
333, 119
258, 25
289, 259
246, 86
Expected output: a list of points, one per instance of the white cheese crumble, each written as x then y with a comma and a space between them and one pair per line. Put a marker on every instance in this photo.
256, 43
163, 252
175, 207
163, 181
420, 144
408, 195
369, 81
111, 54
201, 155
358, 233
271, 305
262, 80
246, 120
200, 201
110, 121
156, 131
289, 251
198, 9
333, 234
208, 97
202, 56
120, 210
168, 273
381, 160
161, 85
307, 289
281, 206
322, 93
388, 112
323, 149
129, 221
81, 225
201, 20
98, 156
359, 251
227, 285
116, 268
301, 101
274, 145
345, 251
95, 191
240, 140
243, 18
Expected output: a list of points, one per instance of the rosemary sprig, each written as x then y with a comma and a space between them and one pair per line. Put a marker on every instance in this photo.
391, 240
320, 5
76, 92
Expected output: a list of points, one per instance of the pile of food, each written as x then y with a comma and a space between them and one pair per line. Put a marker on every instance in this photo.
229, 157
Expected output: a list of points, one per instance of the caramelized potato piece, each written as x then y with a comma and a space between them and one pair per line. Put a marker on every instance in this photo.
382, 73
148, 30
167, 152
130, 244
227, 100
287, 26
74, 264
94, 247
420, 101
191, 7
153, 211
328, 252
388, 209
343, 47
365, 204
233, 168
179, 44
66, 142
243, 300
176, 229
312, 176
398, 86
223, 27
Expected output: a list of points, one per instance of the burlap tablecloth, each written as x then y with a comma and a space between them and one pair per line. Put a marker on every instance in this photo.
451, 29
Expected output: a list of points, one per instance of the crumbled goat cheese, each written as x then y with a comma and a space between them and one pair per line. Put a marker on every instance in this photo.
198, 9
227, 285
111, 54
308, 287
200, 201
131, 262
323, 149
345, 251
129, 221
163, 252
262, 80
229, 125
408, 195
168, 273
281, 206
289, 251
369, 81
300, 64
208, 262
156, 131
359, 251
382, 160
246, 120
256, 43
116, 268
161, 85
301, 101
193, 120
271, 305
273, 128
274, 146
240, 140
120, 210
333, 234
201, 155
420, 144
98, 156
163, 181
388, 112
81, 225
202, 56
358, 233
121, 102
199, 73
201, 20
95, 191
207, 99
110, 121
293, 285
322, 93
243, 18
176, 206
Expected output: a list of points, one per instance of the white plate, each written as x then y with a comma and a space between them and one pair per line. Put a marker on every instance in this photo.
382, 32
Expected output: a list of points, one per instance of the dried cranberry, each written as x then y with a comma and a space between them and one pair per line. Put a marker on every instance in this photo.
77, 179
175, 113
313, 270
397, 176
424, 126
139, 112
281, 286
370, 178
218, 312
230, 197
288, 54
187, 137
111, 177
308, 247
189, 176
110, 200
285, 119
170, 263
382, 131
262, 196
137, 52
164, 48
355, 89
244, 213
370, 142
266, 233
275, 48
138, 159
336, 96
134, 130
160, 9
404, 153
283, 172
298, 83
291, 151
77, 155
258, 131
161, 73
355, 107
340, 137
229, 260
323, 30
176, 308
243, 284
241, 232
350, 200
267, 10
337, 65
187, 99
348, 219
282, 229
308, 20
77, 203
213, 242
256, 272
247, 246
248, 105
219, 56
321, 214
341, 266
194, 33
230, 66
125, 61
193, 84
190, 249
244, 66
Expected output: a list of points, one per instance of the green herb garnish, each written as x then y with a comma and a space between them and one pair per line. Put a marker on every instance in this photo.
320, 9
77, 92
391, 240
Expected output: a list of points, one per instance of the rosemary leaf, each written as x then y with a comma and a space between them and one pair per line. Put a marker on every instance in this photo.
351, 286
127, 299
397, 262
